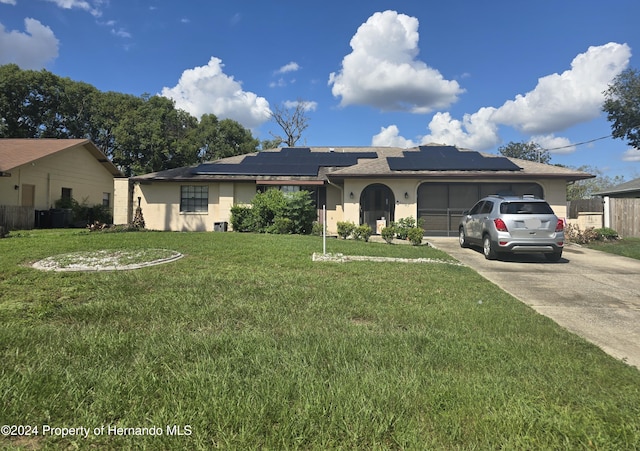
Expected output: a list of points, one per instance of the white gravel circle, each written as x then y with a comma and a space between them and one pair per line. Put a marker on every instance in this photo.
107, 260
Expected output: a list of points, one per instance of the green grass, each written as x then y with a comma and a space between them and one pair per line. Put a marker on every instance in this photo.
627, 247
252, 345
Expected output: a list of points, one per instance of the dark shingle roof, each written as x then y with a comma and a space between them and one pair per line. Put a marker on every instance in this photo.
627, 187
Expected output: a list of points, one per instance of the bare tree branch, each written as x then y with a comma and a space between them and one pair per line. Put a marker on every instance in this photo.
293, 121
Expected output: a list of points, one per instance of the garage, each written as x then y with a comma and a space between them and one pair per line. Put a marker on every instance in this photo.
440, 204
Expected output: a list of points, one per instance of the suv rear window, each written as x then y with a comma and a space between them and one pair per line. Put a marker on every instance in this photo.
525, 208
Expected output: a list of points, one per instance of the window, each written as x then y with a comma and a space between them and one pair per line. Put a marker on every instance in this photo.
66, 194
194, 199
289, 188
106, 199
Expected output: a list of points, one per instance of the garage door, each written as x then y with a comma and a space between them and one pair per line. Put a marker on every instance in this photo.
440, 205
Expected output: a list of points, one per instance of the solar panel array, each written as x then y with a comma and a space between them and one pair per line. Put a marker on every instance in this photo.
286, 162
448, 158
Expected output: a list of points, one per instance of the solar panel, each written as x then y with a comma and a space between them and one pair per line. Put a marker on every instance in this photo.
288, 161
448, 158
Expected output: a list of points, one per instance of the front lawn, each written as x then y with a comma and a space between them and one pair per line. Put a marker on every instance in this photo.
245, 343
627, 247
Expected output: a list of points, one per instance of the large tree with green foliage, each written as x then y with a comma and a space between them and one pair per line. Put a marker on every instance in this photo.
622, 105
220, 139
525, 151
139, 134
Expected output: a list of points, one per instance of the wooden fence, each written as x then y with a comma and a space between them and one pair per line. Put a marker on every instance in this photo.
584, 205
16, 218
625, 216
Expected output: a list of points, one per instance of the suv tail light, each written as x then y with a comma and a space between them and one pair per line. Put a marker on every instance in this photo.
500, 225
560, 225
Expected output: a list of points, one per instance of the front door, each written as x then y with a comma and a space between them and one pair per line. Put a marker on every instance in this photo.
376, 203
28, 195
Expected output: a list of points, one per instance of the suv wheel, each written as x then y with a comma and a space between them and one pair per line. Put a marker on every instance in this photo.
463, 238
487, 248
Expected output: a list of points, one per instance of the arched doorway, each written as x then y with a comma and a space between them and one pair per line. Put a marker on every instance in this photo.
377, 202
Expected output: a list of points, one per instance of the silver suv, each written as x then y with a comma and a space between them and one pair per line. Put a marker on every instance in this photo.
505, 224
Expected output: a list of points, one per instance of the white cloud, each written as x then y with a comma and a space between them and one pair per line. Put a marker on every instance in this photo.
631, 155
390, 137
382, 70
92, 7
29, 50
207, 89
120, 33
8, 2
475, 131
559, 101
555, 144
290, 67
306, 105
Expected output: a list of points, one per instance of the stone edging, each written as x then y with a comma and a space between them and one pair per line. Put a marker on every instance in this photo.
340, 258
98, 264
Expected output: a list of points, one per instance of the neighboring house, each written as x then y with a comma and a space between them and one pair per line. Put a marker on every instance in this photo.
622, 208
373, 185
626, 190
35, 173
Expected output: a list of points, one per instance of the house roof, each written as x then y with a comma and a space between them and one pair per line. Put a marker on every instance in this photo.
627, 187
18, 152
337, 163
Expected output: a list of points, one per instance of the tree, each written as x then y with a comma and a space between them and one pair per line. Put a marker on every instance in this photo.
293, 121
270, 143
220, 139
526, 151
584, 189
139, 134
622, 105
153, 137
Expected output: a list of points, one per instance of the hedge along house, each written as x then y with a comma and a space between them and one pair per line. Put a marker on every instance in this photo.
372, 185
35, 173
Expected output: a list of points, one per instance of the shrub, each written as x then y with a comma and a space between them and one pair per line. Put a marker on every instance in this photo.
85, 214
241, 218
300, 209
281, 225
363, 232
265, 208
388, 233
606, 234
573, 233
345, 229
415, 235
316, 228
275, 212
404, 225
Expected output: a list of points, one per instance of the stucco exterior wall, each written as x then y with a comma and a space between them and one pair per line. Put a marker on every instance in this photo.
122, 202
555, 193
334, 208
160, 203
407, 206
73, 168
8, 194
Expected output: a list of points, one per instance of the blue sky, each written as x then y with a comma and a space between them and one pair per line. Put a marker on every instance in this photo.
401, 73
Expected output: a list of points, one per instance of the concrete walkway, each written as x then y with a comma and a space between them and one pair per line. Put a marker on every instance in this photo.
593, 294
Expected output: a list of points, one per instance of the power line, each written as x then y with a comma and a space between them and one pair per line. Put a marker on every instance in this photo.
578, 144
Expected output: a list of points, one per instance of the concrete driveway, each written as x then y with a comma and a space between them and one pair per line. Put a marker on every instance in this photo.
593, 294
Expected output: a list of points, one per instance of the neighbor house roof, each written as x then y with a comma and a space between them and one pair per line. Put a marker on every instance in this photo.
624, 188
18, 152
321, 163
